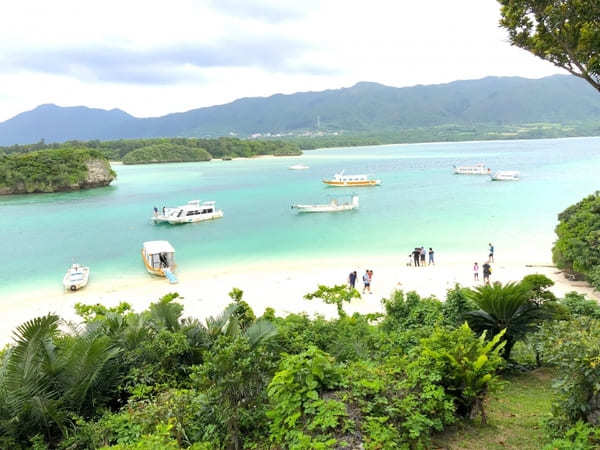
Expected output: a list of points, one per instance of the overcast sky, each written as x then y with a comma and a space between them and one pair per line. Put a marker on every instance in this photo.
155, 57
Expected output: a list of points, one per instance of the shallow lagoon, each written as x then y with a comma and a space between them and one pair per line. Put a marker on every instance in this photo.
420, 202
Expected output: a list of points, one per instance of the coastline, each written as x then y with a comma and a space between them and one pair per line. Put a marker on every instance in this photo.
280, 284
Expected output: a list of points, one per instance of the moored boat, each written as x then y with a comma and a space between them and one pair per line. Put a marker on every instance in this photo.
77, 277
193, 211
334, 205
342, 180
506, 175
298, 167
477, 169
159, 259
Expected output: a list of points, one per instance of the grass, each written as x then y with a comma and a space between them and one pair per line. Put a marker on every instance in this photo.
514, 417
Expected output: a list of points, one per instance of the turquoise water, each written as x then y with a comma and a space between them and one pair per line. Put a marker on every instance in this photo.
420, 202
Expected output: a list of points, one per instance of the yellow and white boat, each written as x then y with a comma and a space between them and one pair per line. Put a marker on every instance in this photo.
341, 180
159, 259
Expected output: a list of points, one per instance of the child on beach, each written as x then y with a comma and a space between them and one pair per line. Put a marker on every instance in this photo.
431, 261
476, 272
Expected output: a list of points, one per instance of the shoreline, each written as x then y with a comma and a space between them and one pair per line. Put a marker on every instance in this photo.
280, 284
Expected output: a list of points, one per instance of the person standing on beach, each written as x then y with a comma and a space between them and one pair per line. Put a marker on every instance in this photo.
416, 253
423, 263
352, 279
491, 258
410, 260
370, 272
366, 282
431, 252
487, 270
476, 272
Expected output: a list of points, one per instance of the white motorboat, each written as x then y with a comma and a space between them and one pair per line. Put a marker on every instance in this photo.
193, 211
334, 205
342, 180
506, 175
76, 277
477, 169
159, 259
298, 167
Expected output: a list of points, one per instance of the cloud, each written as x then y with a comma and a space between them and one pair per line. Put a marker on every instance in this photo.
270, 11
165, 65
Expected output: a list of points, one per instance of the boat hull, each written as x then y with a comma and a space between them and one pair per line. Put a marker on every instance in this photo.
196, 218
72, 283
352, 183
322, 208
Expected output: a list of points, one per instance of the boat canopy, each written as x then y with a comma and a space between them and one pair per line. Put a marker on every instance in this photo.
154, 247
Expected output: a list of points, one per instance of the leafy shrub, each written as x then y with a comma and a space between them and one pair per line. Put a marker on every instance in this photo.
410, 311
467, 365
301, 416
576, 249
455, 307
573, 347
579, 437
577, 305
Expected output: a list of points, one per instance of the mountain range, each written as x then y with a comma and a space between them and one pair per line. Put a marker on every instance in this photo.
364, 107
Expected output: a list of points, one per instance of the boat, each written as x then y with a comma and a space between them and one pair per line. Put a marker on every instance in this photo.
76, 277
334, 205
193, 211
159, 259
298, 167
341, 180
506, 175
477, 169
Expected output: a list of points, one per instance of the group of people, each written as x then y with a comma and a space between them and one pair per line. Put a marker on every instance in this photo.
418, 256
366, 278
487, 268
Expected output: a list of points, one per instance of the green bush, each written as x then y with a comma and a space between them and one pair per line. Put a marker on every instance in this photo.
301, 415
573, 347
467, 365
576, 250
577, 305
411, 311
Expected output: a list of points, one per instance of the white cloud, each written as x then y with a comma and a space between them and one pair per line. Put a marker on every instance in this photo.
154, 57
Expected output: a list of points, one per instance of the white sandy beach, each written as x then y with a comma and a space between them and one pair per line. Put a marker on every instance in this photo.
280, 285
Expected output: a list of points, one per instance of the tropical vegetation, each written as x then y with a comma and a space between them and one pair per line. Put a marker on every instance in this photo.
566, 33
408, 378
137, 151
576, 250
51, 170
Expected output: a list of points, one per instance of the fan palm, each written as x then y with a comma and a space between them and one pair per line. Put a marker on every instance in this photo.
47, 375
505, 307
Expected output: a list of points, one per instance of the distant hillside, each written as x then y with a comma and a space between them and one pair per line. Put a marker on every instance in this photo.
363, 108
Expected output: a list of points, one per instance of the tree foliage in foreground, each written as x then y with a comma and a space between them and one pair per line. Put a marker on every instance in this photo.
155, 379
564, 32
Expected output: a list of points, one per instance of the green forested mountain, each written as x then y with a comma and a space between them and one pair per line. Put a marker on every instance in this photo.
363, 108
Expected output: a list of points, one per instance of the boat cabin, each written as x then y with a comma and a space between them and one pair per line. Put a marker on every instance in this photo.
159, 255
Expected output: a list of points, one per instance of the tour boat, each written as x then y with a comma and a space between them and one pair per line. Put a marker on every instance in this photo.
477, 169
76, 277
341, 180
334, 205
506, 175
298, 167
193, 211
159, 259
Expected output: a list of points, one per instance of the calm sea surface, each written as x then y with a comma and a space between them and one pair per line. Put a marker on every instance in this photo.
420, 202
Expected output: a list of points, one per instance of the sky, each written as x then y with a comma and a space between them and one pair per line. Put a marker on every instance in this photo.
151, 58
